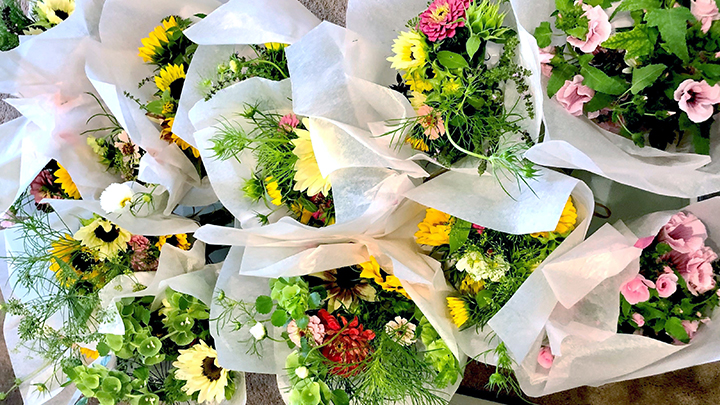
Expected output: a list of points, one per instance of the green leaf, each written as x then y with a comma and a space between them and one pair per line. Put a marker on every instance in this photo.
452, 60
141, 373
672, 23
638, 42
315, 300
645, 76
674, 328
626, 307
597, 80
559, 76
632, 5
103, 349
264, 304
459, 233
563, 4
602, 3
701, 144
543, 34
340, 397
472, 45
600, 101
155, 107
710, 70
278, 318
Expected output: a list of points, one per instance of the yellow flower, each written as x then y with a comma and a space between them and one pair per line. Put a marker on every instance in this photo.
66, 182
103, 237
434, 229
391, 283
458, 311
180, 241
307, 172
452, 86
567, 223
156, 40
168, 108
275, 46
417, 143
63, 250
273, 190
88, 353
56, 11
470, 286
301, 213
417, 100
411, 51
171, 75
167, 135
418, 82
199, 367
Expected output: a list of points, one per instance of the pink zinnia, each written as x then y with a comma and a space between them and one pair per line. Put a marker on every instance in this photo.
139, 243
432, 122
288, 123
441, 19
706, 11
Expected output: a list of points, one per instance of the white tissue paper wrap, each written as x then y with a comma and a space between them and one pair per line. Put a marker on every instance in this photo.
582, 329
288, 249
114, 67
578, 143
26, 70
230, 29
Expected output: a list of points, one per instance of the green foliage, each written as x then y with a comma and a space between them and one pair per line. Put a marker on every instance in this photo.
597, 80
543, 34
672, 23
292, 296
111, 387
639, 41
459, 233
645, 76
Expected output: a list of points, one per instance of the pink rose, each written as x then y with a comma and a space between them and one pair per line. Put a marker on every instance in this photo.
696, 268
706, 11
638, 319
666, 284
546, 55
685, 233
545, 357
697, 99
598, 29
573, 95
636, 290
691, 328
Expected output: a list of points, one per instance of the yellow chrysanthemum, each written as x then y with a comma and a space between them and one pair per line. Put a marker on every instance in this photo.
273, 190
55, 11
156, 39
458, 311
167, 134
65, 181
470, 286
307, 172
418, 82
411, 51
434, 229
417, 143
103, 238
275, 46
567, 222
371, 270
180, 241
170, 75
198, 367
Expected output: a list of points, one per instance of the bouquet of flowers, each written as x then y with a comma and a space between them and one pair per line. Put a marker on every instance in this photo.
44, 14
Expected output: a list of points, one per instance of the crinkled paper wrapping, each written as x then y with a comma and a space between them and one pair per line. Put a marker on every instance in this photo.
577, 143
229, 29
582, 330
114, 67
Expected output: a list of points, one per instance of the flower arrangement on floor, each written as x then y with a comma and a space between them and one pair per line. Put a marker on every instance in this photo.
356, 337
460, 100
653, 81
486, 267
44, 15
163, 357
286, 173
269, 63
676, 290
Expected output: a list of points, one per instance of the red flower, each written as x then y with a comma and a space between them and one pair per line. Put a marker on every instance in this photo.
349, 343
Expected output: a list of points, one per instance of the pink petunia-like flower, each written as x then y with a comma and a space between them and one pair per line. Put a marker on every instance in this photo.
599, 29
691, 328
696, 269
706, 11
638, 319
288, 122
546, 55
697, 99
666, 284
442, 18
432, 122
545, 357
636, 290
685, 233
573, 95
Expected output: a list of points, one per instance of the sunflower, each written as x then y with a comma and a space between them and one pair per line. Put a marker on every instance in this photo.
434, 229
470, 286
275, 46
67, 253
568, 220
345, 287
171, 77
103, 237
167, 134
66, 183
411, 51
199, 367
180, 241
372, 271
417, 143
458, 311
307, 171
55, 11
156, 40
273, 190
62, 251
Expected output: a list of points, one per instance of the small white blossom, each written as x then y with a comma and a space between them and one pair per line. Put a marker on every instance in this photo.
480, 267
302, 372
402, 330
258, 331
116, 198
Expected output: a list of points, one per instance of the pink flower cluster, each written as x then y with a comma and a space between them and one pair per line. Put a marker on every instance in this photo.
442, 18
315, 327
288, 122
140, 259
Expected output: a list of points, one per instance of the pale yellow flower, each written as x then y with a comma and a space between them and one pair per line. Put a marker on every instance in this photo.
411, 51
198, 367
103, 237
56, 11
307, 172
